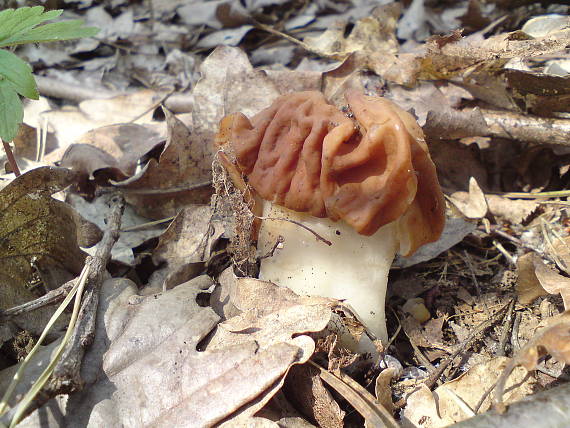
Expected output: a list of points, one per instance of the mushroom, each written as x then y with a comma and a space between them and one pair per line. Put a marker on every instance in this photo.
363, 181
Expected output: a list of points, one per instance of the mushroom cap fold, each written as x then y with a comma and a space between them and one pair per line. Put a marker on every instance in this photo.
369, 170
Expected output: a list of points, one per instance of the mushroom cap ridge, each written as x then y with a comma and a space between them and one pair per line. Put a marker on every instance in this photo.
370, 170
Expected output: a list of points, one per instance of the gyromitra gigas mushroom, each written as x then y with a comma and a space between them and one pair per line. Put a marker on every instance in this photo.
363, 180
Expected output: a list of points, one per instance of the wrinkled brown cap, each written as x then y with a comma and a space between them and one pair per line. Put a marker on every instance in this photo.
369, 170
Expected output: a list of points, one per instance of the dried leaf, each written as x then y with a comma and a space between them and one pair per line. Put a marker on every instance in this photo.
513, 211
382, 388
458, 57
39, 239
115, 148
528, 286
229, 84
373, 39
553, 282
553, 339
472, 205
536, 279
455, 401
162, 188
144, 369
185, 245
132, 235
306, 391
270, 313
455, 230
70, 123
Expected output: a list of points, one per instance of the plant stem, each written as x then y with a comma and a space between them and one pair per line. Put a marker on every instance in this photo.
11, 158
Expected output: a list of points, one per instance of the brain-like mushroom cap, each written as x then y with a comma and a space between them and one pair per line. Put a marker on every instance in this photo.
306, 155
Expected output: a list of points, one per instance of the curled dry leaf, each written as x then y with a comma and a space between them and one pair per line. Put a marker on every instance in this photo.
535, 279
144, 368
552, 339
39, 240
383, 389
180, 177
473, 204
111, 152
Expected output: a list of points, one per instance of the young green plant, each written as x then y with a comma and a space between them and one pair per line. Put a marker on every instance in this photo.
17, 27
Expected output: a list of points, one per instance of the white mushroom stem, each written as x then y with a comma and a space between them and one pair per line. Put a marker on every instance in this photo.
354, 268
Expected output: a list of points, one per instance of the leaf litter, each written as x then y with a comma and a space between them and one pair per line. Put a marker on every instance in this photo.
493, 110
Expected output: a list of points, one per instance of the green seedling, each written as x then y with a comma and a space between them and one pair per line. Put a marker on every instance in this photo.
17, 27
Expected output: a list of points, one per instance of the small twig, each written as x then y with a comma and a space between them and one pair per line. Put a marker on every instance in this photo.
147, 224
526, 127
270, 253
50, 87
515, 332
433, 377
308, 229
419, 355
157, 104
497, 231
398, 330
542, 369
484, 397
298, 42
476, 282
66, 376
127, 190
472, 272
546, 236
506, 329
52, 297
504, 252
11, 159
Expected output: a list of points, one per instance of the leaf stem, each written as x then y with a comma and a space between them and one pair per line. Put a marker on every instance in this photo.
11, 158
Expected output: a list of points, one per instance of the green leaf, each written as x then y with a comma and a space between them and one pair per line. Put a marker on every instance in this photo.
57, 31
19, 73
11, 111
14, 22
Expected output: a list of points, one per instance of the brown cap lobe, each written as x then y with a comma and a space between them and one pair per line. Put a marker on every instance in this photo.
304, 154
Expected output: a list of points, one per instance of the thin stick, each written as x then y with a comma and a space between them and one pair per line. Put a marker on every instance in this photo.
18, 375
506, 329
515, 332
66, 376
308, 229
161, 191
476, 282
433, 378
148, 224
11, 159
270, 253
52, 297
23, 407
